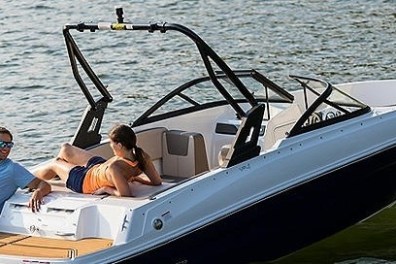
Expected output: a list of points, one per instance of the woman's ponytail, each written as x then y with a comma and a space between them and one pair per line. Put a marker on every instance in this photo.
139, 154
126, 136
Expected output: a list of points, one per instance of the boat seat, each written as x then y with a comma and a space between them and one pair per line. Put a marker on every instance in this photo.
280, 124
221, 157
245, 145
184, 154
150, 140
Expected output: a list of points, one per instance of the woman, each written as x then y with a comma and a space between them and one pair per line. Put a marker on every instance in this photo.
85, 173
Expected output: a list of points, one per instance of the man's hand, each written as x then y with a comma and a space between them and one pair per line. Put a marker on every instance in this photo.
41, 189
36, 200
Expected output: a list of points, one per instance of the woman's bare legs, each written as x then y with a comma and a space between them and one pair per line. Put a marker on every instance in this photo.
69, 157
55, 167
74, 155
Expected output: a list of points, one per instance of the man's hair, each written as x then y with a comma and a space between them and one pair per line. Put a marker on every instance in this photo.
4, 130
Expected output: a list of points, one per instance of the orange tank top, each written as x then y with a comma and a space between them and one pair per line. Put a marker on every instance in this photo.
95, 177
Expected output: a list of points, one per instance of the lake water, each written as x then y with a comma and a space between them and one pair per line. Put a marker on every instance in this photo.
340, 41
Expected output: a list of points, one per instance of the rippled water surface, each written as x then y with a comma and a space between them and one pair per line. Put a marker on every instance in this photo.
341, 41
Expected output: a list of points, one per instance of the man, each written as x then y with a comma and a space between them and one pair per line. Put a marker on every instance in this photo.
14, 176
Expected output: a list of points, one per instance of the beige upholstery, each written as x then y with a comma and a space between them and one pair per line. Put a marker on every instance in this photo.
150, 141
104, 150
174, 152
280, 124
223, 154
184, 154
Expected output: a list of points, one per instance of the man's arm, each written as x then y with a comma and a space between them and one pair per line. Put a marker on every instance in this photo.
41, 188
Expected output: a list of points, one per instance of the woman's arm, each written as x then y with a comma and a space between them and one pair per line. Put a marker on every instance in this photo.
118, 175
151, 172
106, 190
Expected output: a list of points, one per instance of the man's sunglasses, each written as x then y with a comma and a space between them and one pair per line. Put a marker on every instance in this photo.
4, 144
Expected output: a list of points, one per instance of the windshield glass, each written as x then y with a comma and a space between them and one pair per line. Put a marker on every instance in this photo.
324, 104
201, 93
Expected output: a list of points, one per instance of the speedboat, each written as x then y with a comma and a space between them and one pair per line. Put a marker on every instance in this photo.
251, 171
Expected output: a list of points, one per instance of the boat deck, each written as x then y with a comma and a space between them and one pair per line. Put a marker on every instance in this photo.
17, 244
29, 246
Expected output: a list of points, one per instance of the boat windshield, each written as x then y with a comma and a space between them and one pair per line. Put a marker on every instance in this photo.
200, 93
324, 104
